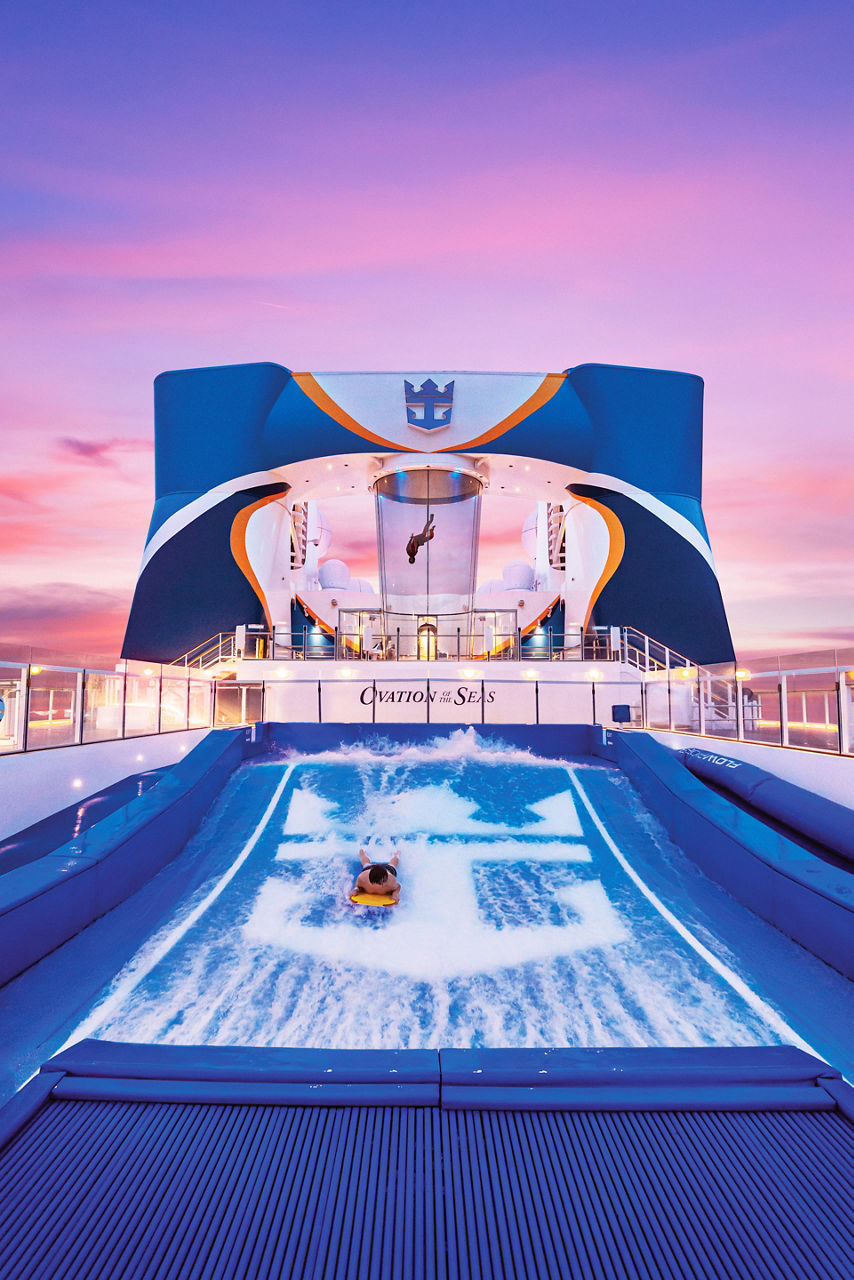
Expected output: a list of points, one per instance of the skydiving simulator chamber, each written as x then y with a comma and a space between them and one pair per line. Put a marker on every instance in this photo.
406, 517
428, 524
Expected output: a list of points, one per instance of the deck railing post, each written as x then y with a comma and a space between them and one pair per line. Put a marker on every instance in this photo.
783, 695
124, 699
374, 702
78, 709
669, 673
319, 705
25, 729
536, 702
842, 720
739, 711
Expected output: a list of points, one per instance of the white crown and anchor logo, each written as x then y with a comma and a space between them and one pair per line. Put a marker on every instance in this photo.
428, 409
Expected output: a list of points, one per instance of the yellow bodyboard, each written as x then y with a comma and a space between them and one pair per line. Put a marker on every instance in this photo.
372, 899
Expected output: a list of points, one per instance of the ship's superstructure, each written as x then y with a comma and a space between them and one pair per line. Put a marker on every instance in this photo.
250, 458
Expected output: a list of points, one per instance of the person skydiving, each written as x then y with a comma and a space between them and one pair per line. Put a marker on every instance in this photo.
417, 540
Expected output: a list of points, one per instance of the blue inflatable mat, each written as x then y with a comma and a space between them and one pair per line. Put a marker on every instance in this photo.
828, 823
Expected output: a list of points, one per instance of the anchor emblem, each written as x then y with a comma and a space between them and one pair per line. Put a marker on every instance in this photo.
424, 406
445, 939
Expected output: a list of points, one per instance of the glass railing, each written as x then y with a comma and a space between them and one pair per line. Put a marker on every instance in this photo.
810, 707
56, 706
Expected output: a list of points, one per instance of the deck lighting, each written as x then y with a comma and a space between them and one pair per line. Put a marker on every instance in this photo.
345, 673
595, 675
78, 782
742, 674
468, 673
282, 673
148, 672
35, 671
530, 675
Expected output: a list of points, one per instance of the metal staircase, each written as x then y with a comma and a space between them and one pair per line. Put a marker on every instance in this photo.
556, 521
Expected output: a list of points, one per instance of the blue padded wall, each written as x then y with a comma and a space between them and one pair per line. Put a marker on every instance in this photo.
804, 897
821, 820
48, 901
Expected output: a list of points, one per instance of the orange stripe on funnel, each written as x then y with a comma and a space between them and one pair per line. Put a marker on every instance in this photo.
549, 386
616, 550
308, 384
237, 543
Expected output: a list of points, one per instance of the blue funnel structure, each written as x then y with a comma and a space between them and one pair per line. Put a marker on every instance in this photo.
611, 456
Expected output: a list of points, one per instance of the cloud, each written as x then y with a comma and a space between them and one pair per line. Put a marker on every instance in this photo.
67, 616
89, 450
26, 489
100, 453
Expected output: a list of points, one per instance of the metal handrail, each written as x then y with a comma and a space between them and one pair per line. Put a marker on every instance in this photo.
596, 644
217, 648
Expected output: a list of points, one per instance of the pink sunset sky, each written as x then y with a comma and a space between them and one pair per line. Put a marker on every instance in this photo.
443, 186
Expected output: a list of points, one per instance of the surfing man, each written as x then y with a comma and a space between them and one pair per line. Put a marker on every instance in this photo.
417, 540
378, 878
